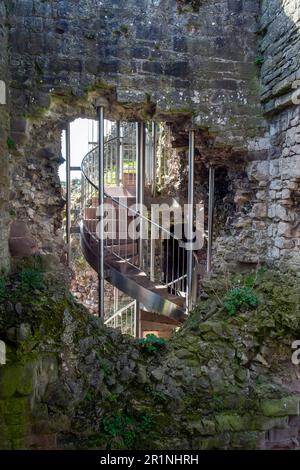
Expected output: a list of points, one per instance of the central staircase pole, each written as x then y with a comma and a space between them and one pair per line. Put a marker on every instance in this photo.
140, 192
100, 112
140, 183
68, 192
190, 222
210, 217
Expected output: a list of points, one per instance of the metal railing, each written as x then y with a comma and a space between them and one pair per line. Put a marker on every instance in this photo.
124, 319
164, 260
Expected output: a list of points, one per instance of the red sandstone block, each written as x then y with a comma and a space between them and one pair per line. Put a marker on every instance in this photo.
21, 247
276, 435
42, 442
18, 229
294, 421
287, 444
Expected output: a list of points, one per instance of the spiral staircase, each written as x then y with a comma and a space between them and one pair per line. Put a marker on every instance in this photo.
155, 282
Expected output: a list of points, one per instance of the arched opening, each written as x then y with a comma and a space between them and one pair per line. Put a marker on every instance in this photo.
149, 275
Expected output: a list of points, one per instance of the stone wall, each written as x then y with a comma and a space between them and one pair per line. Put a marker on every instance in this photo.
203, 67
4, 121
201, 62
224, 381
150, 59
264, 225
280, 52
24, 419
280, 48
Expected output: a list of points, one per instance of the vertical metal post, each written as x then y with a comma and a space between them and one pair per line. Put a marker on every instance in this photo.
118, 157
101, 211
152, 252
153, 190
121, 170
140, 183
211, 203
137, 322
68, 193
190, 221
154, 162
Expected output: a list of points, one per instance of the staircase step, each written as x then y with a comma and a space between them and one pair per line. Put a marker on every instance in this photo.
152, 317
140, 278
129, 179
134, 282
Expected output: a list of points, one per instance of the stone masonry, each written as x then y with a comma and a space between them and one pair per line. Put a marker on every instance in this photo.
274, 215
4, 122
174, 62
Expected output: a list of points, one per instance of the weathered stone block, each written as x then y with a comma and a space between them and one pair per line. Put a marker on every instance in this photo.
282, 407
2, 92
231, 422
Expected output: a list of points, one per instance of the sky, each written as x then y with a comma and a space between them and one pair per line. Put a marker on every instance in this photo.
81, 134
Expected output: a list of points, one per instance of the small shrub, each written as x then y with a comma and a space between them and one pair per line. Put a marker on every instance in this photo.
120, 426
239, 297
157, 395
259, 61
2, 289
31, 279
91, 35
11, 145
106, 369
127, 428
147, 423
124, 29
151, 343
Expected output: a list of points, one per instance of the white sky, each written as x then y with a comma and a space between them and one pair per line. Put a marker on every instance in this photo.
80, 134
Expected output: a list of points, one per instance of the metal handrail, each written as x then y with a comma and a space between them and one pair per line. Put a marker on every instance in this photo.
120, 311
116, 201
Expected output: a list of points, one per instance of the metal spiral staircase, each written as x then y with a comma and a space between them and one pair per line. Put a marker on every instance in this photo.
152, 270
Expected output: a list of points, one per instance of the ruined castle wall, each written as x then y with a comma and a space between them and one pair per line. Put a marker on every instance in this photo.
158, 59
279, 177
153, 60
266, 223
4, 151
280, 72
185, 60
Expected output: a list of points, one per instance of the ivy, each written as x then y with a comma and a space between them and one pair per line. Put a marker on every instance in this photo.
127, 428
239, 297
152, 343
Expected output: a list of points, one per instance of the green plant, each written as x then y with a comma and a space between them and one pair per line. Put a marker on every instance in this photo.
10, 143
2, 289
113, 397
91, 35
127, 428
147, 423
239, 297
259, 61
124, 29
31, 279
120, 426
157, 395
151, 343
106, 369
105, 365
88, 396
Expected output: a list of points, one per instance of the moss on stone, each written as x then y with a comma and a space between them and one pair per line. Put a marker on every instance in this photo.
277, 408
212, 395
